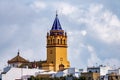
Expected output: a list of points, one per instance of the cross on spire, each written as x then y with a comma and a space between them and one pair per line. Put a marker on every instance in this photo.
56, 13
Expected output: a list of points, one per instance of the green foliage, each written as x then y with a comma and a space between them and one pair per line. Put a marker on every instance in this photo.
57, 78
82, 78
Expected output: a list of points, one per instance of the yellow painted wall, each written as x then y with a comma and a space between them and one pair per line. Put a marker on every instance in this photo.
61, 57
58, 56
56, 52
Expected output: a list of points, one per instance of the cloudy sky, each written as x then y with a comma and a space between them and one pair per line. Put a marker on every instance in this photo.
93, 28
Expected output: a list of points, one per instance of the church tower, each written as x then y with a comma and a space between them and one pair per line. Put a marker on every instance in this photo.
56, 47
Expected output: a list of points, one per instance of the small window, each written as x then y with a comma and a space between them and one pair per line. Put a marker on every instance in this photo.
58, 41
90, 71
51, 41
48, 41
52, 62
61, 59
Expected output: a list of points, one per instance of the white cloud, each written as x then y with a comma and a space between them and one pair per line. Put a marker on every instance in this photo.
95, 8
94, 59
76, 33
8, 33
101, 23
108, 29
28, 54
112, 62
84, 32
38, 5
65, 8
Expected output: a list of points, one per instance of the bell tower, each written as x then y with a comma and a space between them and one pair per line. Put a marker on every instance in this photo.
57, 46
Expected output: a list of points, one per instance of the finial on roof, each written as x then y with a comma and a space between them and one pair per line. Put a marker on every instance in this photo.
18, 52
56, 13
56, 23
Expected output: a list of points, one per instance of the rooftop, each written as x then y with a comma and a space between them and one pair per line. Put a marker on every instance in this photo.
56, 25
18, 58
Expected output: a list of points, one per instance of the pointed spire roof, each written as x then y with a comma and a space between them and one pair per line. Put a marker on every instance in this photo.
56, 24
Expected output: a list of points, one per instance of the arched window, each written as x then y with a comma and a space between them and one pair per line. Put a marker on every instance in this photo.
58, 41
61, 59
52, 62
90, 71
51, 41
48, 41
64, 42
61, 41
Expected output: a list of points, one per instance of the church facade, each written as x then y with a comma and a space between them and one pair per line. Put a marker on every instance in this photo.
56, 51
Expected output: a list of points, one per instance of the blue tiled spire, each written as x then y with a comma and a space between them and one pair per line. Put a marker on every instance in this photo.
56, 24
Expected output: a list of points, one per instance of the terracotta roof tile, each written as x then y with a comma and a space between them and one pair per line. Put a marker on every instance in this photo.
18, 58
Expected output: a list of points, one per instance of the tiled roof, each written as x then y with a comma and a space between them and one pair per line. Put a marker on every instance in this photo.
56, 24
18, 58
33, 64
61, 65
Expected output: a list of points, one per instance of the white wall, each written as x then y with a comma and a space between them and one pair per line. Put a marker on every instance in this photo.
93, 69
119, 71
69, 71
103, 70
17, 73
116, 71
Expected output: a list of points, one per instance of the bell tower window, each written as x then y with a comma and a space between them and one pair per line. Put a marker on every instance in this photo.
61, 41
64, 41
48, 41
58, 41
51, 41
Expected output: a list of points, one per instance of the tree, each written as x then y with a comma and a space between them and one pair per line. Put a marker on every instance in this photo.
82, 78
